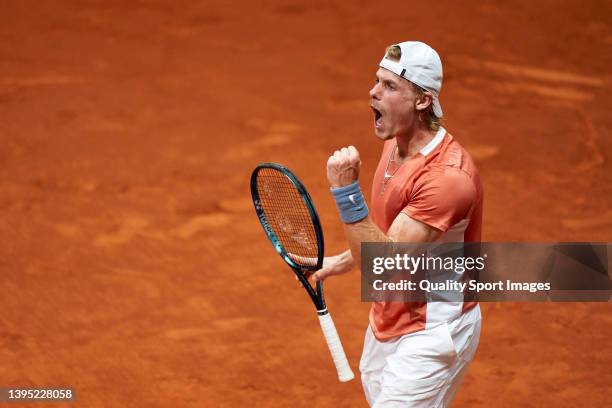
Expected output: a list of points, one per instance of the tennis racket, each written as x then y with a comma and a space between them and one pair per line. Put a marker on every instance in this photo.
290, 221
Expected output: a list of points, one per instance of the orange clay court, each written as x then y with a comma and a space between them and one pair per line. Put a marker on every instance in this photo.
133, 268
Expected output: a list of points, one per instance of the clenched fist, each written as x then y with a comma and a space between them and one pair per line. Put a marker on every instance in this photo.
343, 167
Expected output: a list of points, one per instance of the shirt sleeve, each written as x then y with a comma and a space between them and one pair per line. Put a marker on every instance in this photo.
441, 198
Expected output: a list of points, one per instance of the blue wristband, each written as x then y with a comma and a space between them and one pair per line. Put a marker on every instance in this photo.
350, 203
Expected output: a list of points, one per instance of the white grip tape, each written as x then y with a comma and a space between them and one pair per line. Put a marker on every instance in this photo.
335, 347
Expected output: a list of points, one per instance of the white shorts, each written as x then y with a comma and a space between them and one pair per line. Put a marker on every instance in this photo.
422, 369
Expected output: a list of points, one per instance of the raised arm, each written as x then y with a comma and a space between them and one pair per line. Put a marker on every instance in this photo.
343, 175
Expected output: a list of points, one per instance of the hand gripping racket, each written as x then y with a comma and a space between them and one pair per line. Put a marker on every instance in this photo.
290, 221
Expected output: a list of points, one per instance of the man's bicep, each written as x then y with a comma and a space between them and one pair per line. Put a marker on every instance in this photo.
407, 229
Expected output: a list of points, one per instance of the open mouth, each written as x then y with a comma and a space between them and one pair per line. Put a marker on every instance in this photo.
377, 117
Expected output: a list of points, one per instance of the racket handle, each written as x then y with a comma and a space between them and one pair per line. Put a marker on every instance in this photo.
335, 347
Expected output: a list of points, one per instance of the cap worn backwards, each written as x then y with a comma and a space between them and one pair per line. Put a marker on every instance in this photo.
421, 65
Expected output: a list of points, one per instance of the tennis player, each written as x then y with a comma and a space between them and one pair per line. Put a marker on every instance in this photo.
426, 188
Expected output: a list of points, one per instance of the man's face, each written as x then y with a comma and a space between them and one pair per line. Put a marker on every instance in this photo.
392, 100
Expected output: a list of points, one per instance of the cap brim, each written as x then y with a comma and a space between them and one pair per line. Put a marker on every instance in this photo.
437, 108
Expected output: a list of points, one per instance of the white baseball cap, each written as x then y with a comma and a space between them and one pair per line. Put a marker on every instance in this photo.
421, 65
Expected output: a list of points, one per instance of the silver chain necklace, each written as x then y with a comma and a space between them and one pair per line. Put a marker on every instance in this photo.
388, 176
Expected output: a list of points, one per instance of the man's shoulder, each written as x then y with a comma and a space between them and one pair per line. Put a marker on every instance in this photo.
451, 159
445, 177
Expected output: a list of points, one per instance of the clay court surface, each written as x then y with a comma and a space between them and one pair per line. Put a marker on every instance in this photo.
132, 266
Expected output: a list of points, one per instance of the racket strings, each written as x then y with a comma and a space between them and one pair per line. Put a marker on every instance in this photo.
289, 217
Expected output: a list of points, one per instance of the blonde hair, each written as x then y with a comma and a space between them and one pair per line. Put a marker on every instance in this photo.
394, 53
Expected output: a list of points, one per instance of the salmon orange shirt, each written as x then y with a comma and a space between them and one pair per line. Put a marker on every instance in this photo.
440, 186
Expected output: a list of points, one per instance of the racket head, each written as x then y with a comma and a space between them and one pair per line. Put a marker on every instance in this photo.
288, 216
